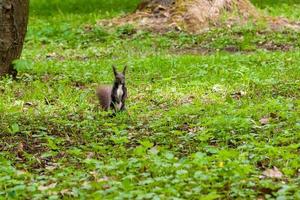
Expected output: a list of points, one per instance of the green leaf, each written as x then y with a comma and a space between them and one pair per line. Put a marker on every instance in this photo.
15, 128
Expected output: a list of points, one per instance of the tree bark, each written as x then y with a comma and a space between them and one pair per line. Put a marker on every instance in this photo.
13, 26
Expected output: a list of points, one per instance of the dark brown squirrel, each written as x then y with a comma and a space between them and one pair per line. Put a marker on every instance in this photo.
113, 97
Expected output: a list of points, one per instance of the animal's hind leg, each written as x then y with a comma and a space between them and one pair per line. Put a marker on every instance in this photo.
123, 107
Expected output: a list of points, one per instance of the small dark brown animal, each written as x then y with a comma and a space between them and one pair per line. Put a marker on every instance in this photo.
113, 97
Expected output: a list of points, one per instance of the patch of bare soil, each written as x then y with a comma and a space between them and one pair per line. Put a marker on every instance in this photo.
230, 49
198, 50
20, 146
271, 46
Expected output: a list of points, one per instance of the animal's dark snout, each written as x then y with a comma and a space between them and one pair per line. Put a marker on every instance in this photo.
120, 79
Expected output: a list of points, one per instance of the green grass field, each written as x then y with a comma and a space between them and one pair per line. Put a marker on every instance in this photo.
207, 114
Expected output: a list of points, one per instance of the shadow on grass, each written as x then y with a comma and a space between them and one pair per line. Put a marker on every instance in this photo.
273, 3
52, 7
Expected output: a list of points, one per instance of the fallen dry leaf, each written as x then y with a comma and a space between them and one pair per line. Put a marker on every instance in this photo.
20, 147
260, 197
187, 99
218, 88
273, 173
238, 95
273, 115
88, 28
28, 104
51, 166
106, 187
103, 179
264, 120
65, 191
47, 187
90, 155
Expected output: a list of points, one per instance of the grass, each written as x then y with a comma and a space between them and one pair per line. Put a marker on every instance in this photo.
207, 114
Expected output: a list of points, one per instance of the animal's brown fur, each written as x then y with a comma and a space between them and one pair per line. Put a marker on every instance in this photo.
103, 93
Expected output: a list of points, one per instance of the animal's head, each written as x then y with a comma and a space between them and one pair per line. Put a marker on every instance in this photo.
119, 76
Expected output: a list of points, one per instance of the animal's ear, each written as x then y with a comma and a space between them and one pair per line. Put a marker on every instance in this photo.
124, 70
115, 70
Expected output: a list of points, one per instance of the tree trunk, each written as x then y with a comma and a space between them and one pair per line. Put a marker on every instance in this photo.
13, 25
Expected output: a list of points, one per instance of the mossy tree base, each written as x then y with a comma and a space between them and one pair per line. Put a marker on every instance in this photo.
13, 26
196, 16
